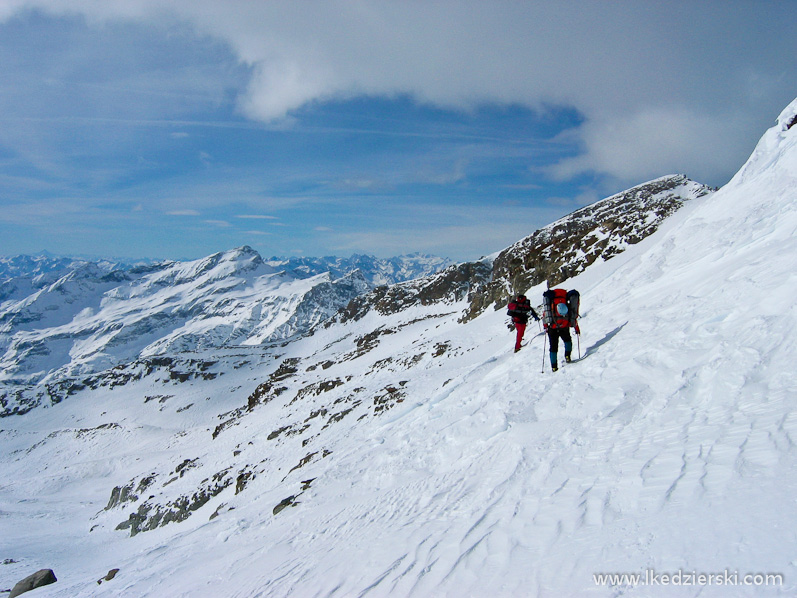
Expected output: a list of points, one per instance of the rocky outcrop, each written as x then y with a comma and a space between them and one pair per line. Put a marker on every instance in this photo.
453, 284
568, 246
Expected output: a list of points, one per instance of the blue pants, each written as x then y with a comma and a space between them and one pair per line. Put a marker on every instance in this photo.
554, 334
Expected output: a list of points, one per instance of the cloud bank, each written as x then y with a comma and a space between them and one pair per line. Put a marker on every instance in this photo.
662, 87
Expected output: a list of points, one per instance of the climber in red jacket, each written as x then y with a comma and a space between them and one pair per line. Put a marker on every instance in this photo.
519, 309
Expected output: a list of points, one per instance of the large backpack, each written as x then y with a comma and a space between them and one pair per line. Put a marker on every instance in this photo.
519, 309
552, 298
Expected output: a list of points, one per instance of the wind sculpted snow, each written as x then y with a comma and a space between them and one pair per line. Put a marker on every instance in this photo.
412, 455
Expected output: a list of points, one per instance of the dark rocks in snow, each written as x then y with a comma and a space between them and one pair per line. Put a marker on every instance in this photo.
450, 285
109, 576
568, 246
269, 389
150, 516
316, 388
119, 495
284, 503
304, 461
286, 369
130, 492
388, 399
41, 578
291, 500
242, 480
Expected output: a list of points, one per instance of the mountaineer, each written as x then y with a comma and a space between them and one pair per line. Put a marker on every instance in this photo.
519, 309
560, 313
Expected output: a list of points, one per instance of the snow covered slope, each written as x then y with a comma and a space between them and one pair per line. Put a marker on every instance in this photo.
408, 454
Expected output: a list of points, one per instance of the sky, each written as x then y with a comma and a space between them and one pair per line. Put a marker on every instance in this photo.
178, 128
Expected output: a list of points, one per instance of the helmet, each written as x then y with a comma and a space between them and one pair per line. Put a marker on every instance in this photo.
521, 297
562, 309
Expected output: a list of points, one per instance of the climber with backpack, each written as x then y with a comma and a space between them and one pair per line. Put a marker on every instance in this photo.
560, 313
519, 309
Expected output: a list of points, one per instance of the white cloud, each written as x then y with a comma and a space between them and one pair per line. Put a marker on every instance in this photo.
653, 142
660, 85
219, 223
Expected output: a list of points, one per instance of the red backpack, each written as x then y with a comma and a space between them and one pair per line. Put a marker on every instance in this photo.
554, 316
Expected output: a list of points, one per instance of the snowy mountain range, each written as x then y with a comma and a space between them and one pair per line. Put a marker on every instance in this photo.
61, 318
401, 448
377, 272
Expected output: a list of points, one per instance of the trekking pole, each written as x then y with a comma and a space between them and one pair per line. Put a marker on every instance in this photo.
578, 338
544, 343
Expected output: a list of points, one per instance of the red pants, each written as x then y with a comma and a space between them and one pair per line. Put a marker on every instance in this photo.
521, 328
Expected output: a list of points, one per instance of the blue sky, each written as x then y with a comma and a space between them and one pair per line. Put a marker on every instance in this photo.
177, 128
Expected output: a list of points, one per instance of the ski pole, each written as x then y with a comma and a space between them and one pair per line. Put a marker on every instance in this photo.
544, 343
578, 338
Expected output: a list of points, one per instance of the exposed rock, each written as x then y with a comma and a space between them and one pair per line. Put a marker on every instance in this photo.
244, 477
109, 576
291, 500
150, 516
450, 285
121, 494
389, 398
41, 578
284, 503
568, 246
